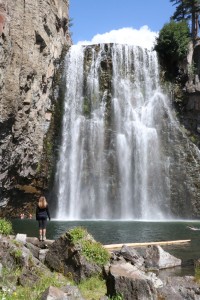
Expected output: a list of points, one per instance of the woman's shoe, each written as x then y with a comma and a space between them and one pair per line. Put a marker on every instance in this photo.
40, 238
44, 238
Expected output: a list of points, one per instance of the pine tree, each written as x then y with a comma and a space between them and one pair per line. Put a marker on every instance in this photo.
188, 10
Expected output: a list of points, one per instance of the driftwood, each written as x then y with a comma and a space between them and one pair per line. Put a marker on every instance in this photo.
116, 246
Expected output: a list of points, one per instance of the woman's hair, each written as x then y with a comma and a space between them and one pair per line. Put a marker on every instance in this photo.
42, 203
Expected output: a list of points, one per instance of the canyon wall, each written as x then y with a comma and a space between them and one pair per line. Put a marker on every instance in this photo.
34, 35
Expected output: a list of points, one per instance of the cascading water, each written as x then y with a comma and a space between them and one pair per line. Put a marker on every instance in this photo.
112, 165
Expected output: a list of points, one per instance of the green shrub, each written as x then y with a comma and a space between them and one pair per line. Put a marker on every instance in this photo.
173, 41
95, 252
17, 254
77, 234
117, 297
172, 46
92, 250
5, 227
197, 271
34, 292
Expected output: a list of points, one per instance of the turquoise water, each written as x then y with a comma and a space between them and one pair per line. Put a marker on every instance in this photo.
114, 232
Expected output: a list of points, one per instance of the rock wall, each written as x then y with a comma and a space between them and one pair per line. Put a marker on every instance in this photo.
185, 164
33, 36
189, 102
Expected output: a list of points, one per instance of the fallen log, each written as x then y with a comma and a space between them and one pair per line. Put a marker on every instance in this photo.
117, 246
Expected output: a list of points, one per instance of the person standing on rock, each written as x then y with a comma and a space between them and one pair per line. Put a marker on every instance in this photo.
42, 213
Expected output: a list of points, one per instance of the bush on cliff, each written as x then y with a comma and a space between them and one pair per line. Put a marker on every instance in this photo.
5, 227
172, 45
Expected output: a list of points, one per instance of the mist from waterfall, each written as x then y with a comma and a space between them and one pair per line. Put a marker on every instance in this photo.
112, 164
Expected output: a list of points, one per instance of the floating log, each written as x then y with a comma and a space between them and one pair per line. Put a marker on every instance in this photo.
116, 246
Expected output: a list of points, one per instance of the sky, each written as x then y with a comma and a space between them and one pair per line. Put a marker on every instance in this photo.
121, 21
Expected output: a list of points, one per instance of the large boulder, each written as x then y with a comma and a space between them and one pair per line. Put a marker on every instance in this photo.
67, 258
126, 280
157, 258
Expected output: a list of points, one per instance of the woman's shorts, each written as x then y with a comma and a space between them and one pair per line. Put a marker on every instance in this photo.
42, 223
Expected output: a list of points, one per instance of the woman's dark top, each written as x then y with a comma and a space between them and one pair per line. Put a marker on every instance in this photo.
42, 213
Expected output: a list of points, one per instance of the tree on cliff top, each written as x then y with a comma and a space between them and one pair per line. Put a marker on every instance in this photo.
172, 45
189, 11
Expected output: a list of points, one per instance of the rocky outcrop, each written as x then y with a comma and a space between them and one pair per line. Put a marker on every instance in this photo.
127, 274
67, 257
188, 100
33, 36
18, 253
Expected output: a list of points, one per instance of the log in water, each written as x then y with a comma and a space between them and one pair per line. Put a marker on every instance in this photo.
117, 246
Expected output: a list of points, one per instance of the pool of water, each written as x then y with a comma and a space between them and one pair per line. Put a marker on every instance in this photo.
114, 232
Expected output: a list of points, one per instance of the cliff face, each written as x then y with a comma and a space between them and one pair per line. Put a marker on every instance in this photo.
189, 99
33, 34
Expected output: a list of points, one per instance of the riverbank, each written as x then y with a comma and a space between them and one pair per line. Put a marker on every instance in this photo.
114, 232
72, 254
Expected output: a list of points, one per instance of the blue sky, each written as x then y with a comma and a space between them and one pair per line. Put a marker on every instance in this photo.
92, 17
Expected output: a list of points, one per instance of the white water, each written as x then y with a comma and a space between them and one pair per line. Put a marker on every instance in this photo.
111, 162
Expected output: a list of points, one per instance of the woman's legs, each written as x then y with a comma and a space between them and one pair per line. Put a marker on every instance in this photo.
40, 229
44, 230
44, 234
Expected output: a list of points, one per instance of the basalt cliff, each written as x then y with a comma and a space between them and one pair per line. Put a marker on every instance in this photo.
33, 38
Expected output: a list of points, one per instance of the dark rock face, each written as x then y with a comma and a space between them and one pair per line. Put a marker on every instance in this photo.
33, 35
184, 171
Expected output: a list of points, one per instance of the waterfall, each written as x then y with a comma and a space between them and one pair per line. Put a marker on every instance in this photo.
112, 164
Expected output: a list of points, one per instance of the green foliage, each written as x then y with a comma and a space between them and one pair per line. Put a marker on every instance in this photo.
117, 297
77, 234
32, 293
187, 10
194, 139
16, 253
197, 272
93, 288
92, 250
192, 70
5, 227
95, 252
172, 42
